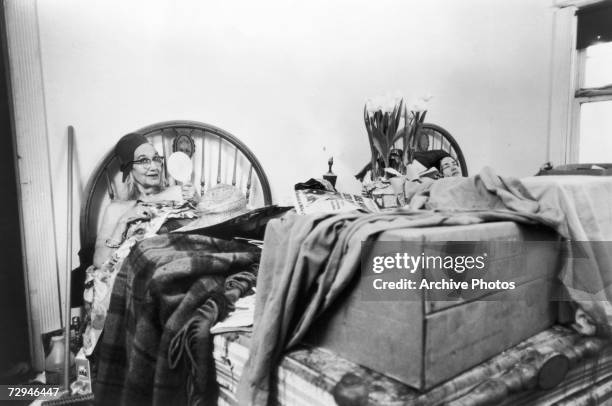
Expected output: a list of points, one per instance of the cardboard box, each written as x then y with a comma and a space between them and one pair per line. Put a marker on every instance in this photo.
423, 343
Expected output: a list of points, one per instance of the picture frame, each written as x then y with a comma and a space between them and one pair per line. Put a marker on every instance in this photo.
184, 143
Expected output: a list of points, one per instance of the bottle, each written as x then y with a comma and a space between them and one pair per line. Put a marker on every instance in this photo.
75, 335
54, 363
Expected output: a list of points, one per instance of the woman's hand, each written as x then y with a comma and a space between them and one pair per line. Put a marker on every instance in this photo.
189, 193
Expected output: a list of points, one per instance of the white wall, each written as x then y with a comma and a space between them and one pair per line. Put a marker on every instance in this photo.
290, 77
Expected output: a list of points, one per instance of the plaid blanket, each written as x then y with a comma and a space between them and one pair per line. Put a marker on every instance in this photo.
161, 285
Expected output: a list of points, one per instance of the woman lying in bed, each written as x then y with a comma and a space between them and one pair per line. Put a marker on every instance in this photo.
438, 163
441, 165
432, 164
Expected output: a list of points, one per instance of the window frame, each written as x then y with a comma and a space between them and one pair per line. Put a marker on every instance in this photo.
581, 96
576, 3
567, 79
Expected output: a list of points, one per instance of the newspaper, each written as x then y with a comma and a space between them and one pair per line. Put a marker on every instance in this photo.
310, 201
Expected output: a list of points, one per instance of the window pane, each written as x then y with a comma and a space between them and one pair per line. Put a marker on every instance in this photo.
598, 65
596, 132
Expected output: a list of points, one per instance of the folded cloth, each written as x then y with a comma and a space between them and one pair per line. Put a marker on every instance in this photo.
316, 257
163, 281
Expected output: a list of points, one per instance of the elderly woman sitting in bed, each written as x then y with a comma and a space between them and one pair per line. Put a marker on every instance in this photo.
156, 299
142, 174
126, 222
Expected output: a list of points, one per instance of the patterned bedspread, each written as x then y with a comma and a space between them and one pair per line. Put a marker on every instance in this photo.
309, 376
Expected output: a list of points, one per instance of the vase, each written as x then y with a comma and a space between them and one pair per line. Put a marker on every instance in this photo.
54, 363
412, 171
386, 193
397, 184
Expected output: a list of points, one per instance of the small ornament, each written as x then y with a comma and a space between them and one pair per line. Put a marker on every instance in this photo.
330, 176
184, 143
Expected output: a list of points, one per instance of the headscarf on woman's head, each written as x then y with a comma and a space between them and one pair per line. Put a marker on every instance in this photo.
431, 158
125, 151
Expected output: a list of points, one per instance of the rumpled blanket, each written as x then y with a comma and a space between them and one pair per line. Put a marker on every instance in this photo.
315, 257
161, 285
484, 191
587, 268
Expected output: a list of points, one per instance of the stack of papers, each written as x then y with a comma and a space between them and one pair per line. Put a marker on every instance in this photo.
241, 319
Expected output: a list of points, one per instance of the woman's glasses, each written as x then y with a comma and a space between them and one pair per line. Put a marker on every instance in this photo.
146, 162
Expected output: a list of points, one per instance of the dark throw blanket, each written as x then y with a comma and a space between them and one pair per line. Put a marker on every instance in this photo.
168, 286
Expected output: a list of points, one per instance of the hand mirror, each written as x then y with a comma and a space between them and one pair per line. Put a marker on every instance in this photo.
180, 167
